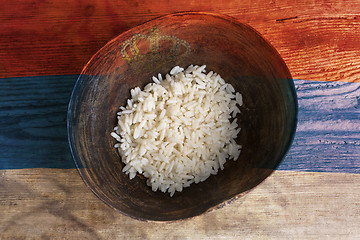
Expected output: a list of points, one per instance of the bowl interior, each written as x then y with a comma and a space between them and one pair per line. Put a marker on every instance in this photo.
235, 51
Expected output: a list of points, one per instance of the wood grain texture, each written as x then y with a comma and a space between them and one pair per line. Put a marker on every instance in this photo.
319, 40
55, 204
328, 131
33, 122
33, 127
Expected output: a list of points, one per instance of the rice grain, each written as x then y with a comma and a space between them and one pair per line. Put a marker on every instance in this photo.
180, 129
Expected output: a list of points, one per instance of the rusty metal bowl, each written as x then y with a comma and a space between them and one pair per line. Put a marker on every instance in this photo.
234, 50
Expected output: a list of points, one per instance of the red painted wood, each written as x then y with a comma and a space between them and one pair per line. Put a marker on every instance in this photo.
319, 40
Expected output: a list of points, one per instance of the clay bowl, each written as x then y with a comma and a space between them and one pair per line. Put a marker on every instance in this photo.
235, 51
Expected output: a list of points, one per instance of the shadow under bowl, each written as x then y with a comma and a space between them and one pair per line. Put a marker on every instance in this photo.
235, 51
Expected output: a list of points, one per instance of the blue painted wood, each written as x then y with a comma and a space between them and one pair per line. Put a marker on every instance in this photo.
33, 125
33, 122
327, 138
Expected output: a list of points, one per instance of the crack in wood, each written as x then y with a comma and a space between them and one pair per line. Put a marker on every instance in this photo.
304, 19
286, 19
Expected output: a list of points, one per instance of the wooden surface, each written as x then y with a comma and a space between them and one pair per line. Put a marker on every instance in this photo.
33, 126
55, 204
314, 194
319, 40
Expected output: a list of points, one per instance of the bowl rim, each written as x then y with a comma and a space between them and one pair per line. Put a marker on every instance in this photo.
224, 17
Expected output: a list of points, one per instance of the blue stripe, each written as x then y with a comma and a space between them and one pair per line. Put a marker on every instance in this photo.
327, 138
33, 125
33, 122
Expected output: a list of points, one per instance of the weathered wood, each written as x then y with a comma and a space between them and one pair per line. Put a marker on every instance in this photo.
319, 40
33, 122
55, 204
33, 125
327, 138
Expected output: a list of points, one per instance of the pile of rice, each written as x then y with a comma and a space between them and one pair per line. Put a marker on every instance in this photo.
179, 130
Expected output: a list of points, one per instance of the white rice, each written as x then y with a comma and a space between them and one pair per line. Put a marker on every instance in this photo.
178, 130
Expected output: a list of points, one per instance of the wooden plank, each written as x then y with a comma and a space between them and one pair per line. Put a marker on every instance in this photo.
33, 122
55, 204
328, 131
320, 48
33, 125
319, 40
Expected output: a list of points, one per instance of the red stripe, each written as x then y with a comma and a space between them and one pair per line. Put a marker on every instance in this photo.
59, 37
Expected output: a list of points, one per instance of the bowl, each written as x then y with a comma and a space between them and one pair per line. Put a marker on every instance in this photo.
234, 50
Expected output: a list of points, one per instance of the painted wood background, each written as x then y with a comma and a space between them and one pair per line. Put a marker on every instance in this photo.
319, 40
314, 194
33, 125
